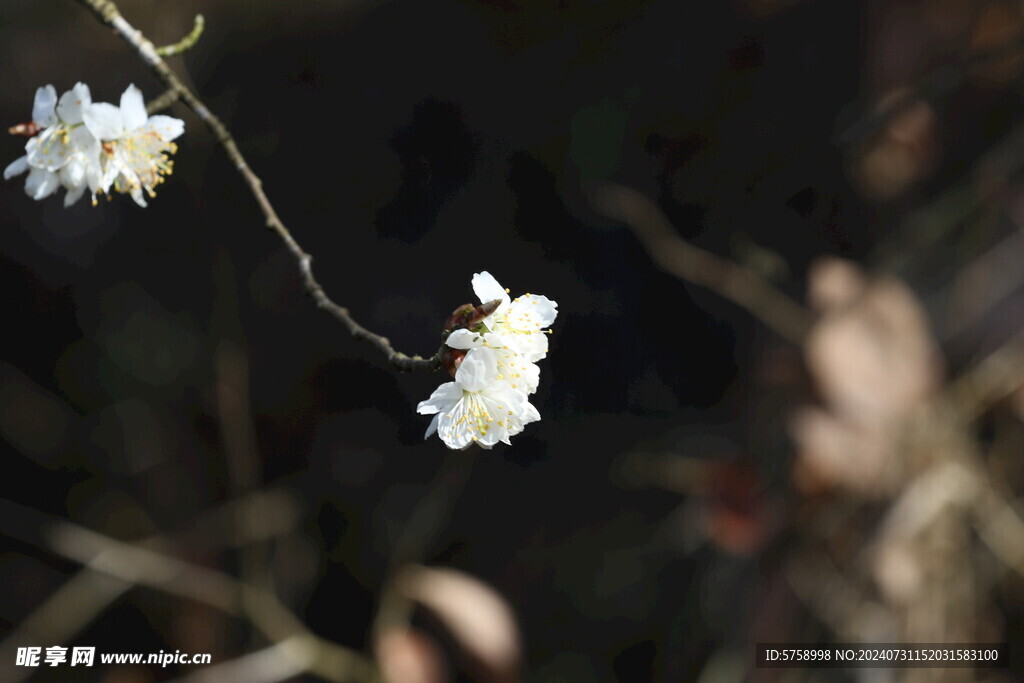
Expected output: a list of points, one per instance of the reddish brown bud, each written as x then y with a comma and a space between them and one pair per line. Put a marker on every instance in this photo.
458, 318
469, 316
25, 130
451, 359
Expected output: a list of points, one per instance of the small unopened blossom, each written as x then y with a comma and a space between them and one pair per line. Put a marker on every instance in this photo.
521, 322
477, 408
61, 152
136, 148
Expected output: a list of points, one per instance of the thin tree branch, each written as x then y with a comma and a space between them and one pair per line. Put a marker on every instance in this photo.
107, 12
990, 380
86, 594
163, 101
271, 664
677, 257
133, 564
185, 43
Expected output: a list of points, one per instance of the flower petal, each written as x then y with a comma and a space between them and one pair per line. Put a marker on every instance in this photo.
93, 176
86, 144
534, 310
73, 195
73, 175
16, 167
464, 339
138, 196
463, 425
432, 427
529, 414
488, 289
49, 149
41, 183
166, 127
69, 108
103, 120
43, 109
532, 347
133, 109
443, 399
478, 370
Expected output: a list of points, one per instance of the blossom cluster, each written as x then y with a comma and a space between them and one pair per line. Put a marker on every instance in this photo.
495, 368
79, 144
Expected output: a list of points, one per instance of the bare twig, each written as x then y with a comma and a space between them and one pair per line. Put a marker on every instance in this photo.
984, 282
676, 256
185, 43
426, 522
86, 594
992, 379
107, 12
1000, 525
133, 564
274, 663
163, 101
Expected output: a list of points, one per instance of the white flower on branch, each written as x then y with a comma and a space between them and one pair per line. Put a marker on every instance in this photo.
492, 352
521, 322
135, 147
77, 144
520, 373
477, 407
61, 152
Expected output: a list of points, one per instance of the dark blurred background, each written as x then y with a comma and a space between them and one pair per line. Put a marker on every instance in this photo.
158, 362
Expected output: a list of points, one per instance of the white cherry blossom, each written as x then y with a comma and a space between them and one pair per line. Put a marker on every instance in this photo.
477, 407
63, 153
135, 146
521, 322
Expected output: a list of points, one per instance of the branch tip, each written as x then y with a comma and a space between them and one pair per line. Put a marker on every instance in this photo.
185, 43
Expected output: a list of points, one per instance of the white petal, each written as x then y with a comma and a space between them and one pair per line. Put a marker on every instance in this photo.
41, 183
478, 370
532, 347
73, 175
109, 175
488, 289
16, 167
490, 437
93, 177
530, 413
73, 195
85, 143
133, 109
443, 399
432, 427
464, 339
530, 376
103, 120
457, 428
69, 108
43, 108
536, 312
456, 440
49, 149
167, 127
138, 195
